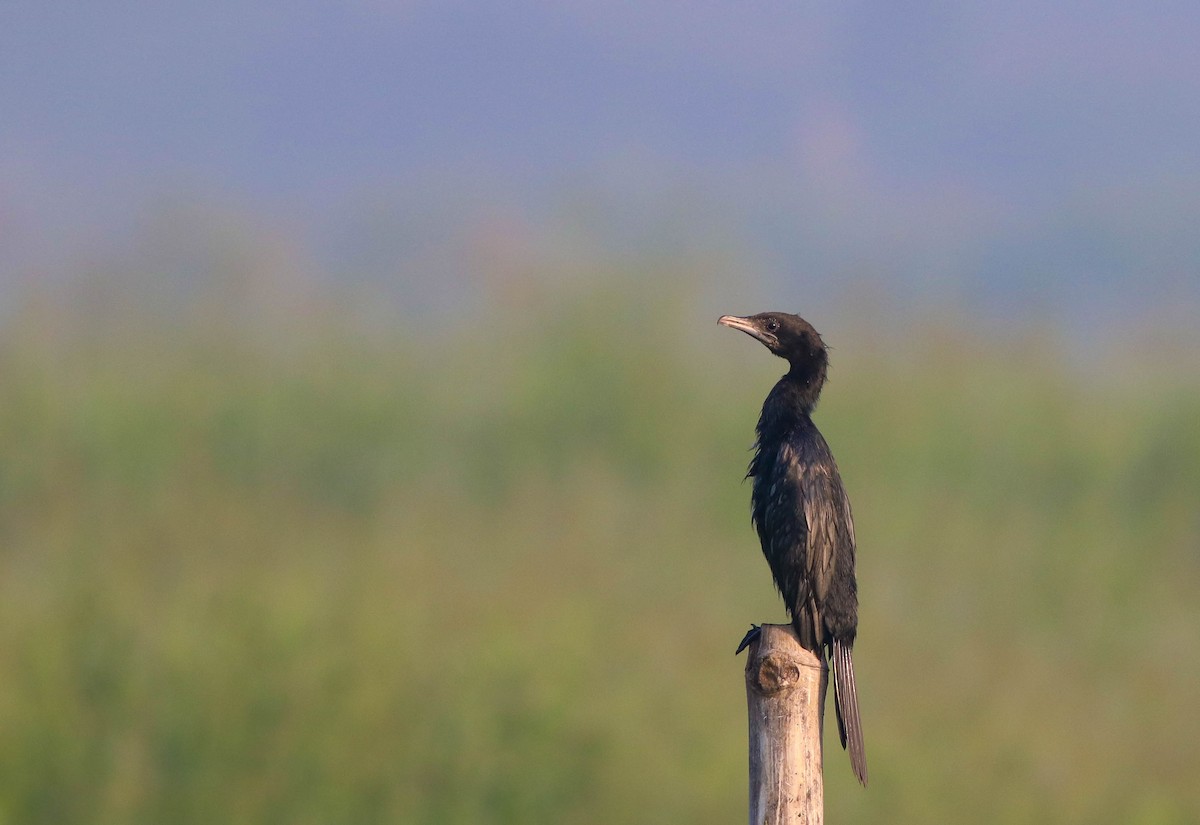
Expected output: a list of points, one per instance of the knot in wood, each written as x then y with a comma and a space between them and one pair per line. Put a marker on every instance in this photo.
776, 673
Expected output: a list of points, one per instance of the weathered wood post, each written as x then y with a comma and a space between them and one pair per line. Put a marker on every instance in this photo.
785, 697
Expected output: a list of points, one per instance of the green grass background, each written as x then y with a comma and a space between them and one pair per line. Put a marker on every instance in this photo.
495, 572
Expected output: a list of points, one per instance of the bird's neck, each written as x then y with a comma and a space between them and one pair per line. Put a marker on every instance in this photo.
789, 404
801, 387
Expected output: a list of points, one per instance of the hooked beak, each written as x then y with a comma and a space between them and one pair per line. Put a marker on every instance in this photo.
749, 327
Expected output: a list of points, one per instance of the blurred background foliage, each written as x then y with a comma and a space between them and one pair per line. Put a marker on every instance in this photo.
316, 569
369, 452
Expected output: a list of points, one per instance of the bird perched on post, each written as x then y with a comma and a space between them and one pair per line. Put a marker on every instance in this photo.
802, 513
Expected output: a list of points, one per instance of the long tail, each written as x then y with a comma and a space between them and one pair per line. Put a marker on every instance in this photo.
845, 697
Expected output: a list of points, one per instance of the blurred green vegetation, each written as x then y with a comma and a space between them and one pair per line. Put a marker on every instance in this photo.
495, 572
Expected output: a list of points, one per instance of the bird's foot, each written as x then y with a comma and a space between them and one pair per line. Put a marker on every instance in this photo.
751, 634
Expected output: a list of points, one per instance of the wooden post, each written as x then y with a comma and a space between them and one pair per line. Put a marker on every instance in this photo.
785, 696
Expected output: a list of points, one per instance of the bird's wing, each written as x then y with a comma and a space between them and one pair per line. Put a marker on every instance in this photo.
823, 514
827, 513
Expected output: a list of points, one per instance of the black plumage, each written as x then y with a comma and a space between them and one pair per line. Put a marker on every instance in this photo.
802, 512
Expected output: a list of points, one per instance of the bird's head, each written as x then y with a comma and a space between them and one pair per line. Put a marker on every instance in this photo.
788, 336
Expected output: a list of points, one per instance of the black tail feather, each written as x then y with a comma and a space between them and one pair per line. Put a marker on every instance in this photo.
837, 712
846, 703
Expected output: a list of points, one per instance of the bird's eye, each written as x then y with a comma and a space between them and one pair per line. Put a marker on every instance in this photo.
772, 325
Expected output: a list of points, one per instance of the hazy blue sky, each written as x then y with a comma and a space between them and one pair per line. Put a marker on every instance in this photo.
1011, 154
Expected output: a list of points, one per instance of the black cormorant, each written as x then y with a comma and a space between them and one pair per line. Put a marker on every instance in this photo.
802, 513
